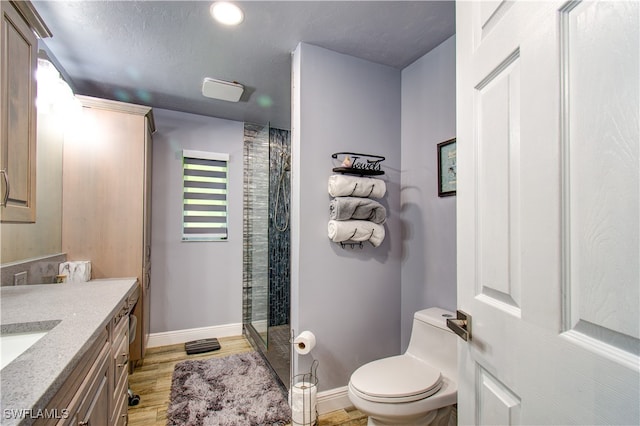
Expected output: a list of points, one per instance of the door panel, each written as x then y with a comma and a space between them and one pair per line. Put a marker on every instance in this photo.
497, 102
497, 404
601, 180
549, 211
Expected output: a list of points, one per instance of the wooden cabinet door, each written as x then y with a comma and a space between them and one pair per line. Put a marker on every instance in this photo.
95, 410
106, 197
90, 403
102, 208
18, 62
146, 275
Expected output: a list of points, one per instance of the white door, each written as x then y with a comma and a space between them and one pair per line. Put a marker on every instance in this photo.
548, 211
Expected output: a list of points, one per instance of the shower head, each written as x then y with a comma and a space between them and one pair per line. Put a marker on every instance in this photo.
286, 162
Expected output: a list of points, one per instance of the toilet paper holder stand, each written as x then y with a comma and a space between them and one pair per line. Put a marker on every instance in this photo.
309, 387
304, 388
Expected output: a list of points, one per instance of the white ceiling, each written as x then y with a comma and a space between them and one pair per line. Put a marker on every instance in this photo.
158, 52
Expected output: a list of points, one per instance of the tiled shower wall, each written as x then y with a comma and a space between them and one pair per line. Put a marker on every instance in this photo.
279, 233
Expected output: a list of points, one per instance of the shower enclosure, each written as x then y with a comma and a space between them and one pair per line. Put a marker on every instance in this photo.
266, 259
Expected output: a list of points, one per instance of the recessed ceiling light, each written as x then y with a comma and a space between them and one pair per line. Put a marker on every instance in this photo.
226, 13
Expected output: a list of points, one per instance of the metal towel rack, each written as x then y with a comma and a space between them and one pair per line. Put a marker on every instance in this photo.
358, 164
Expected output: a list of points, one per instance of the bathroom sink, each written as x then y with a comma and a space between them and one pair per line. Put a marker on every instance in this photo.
15, 339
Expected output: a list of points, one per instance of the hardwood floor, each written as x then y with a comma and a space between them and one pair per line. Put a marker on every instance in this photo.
152, 381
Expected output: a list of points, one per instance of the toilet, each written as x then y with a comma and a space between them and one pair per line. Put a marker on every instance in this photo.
418, 387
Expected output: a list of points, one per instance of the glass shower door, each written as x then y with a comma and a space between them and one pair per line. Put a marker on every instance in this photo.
266, 275
256, 232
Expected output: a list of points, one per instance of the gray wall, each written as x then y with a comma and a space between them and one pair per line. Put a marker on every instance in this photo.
428, 221
193, 284
349, 298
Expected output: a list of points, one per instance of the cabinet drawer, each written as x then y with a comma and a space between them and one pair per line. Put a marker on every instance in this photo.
120, 359
120, 318
119, 415
120, 328
94, 410
90, 403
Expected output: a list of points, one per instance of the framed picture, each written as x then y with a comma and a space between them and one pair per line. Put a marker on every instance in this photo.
447, 170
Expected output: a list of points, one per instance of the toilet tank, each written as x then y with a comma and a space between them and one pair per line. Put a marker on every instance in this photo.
433, 342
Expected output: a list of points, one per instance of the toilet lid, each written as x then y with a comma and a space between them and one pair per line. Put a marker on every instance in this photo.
402, 376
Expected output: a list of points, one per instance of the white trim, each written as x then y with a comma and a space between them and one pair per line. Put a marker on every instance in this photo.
333, 399
182, 336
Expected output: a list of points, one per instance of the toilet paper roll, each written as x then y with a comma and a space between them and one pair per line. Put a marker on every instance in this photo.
303, 402
304, 342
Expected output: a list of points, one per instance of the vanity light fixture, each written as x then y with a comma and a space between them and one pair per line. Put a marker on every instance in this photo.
226, 13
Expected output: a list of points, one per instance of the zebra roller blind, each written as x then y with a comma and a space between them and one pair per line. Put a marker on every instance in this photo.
204, 206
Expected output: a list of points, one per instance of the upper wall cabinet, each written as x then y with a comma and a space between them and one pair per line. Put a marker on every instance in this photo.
18, 63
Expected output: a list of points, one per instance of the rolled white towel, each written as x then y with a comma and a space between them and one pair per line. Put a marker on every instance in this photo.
355, 230
355, 186
356, 208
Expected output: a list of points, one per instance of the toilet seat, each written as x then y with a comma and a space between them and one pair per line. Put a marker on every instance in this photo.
397, 379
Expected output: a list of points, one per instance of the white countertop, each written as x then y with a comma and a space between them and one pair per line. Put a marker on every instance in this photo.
83, 310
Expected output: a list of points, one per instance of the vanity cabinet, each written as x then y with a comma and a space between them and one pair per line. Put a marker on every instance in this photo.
96, 391
18, 64
84, 397
90, 405
119, 367
106, 197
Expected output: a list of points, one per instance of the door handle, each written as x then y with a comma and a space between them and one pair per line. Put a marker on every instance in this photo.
461, 325
5, 200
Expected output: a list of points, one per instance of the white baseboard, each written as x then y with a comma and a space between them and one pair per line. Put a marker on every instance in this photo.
182, 336
333, 399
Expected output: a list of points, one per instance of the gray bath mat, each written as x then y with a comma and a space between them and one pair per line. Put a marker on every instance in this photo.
234, 390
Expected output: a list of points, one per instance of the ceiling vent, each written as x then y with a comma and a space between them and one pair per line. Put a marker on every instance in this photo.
223, 90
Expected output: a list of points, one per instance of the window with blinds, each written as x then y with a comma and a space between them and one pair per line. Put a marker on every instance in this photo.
204, 206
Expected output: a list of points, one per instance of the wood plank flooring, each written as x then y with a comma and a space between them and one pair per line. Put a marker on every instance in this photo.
152, 381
